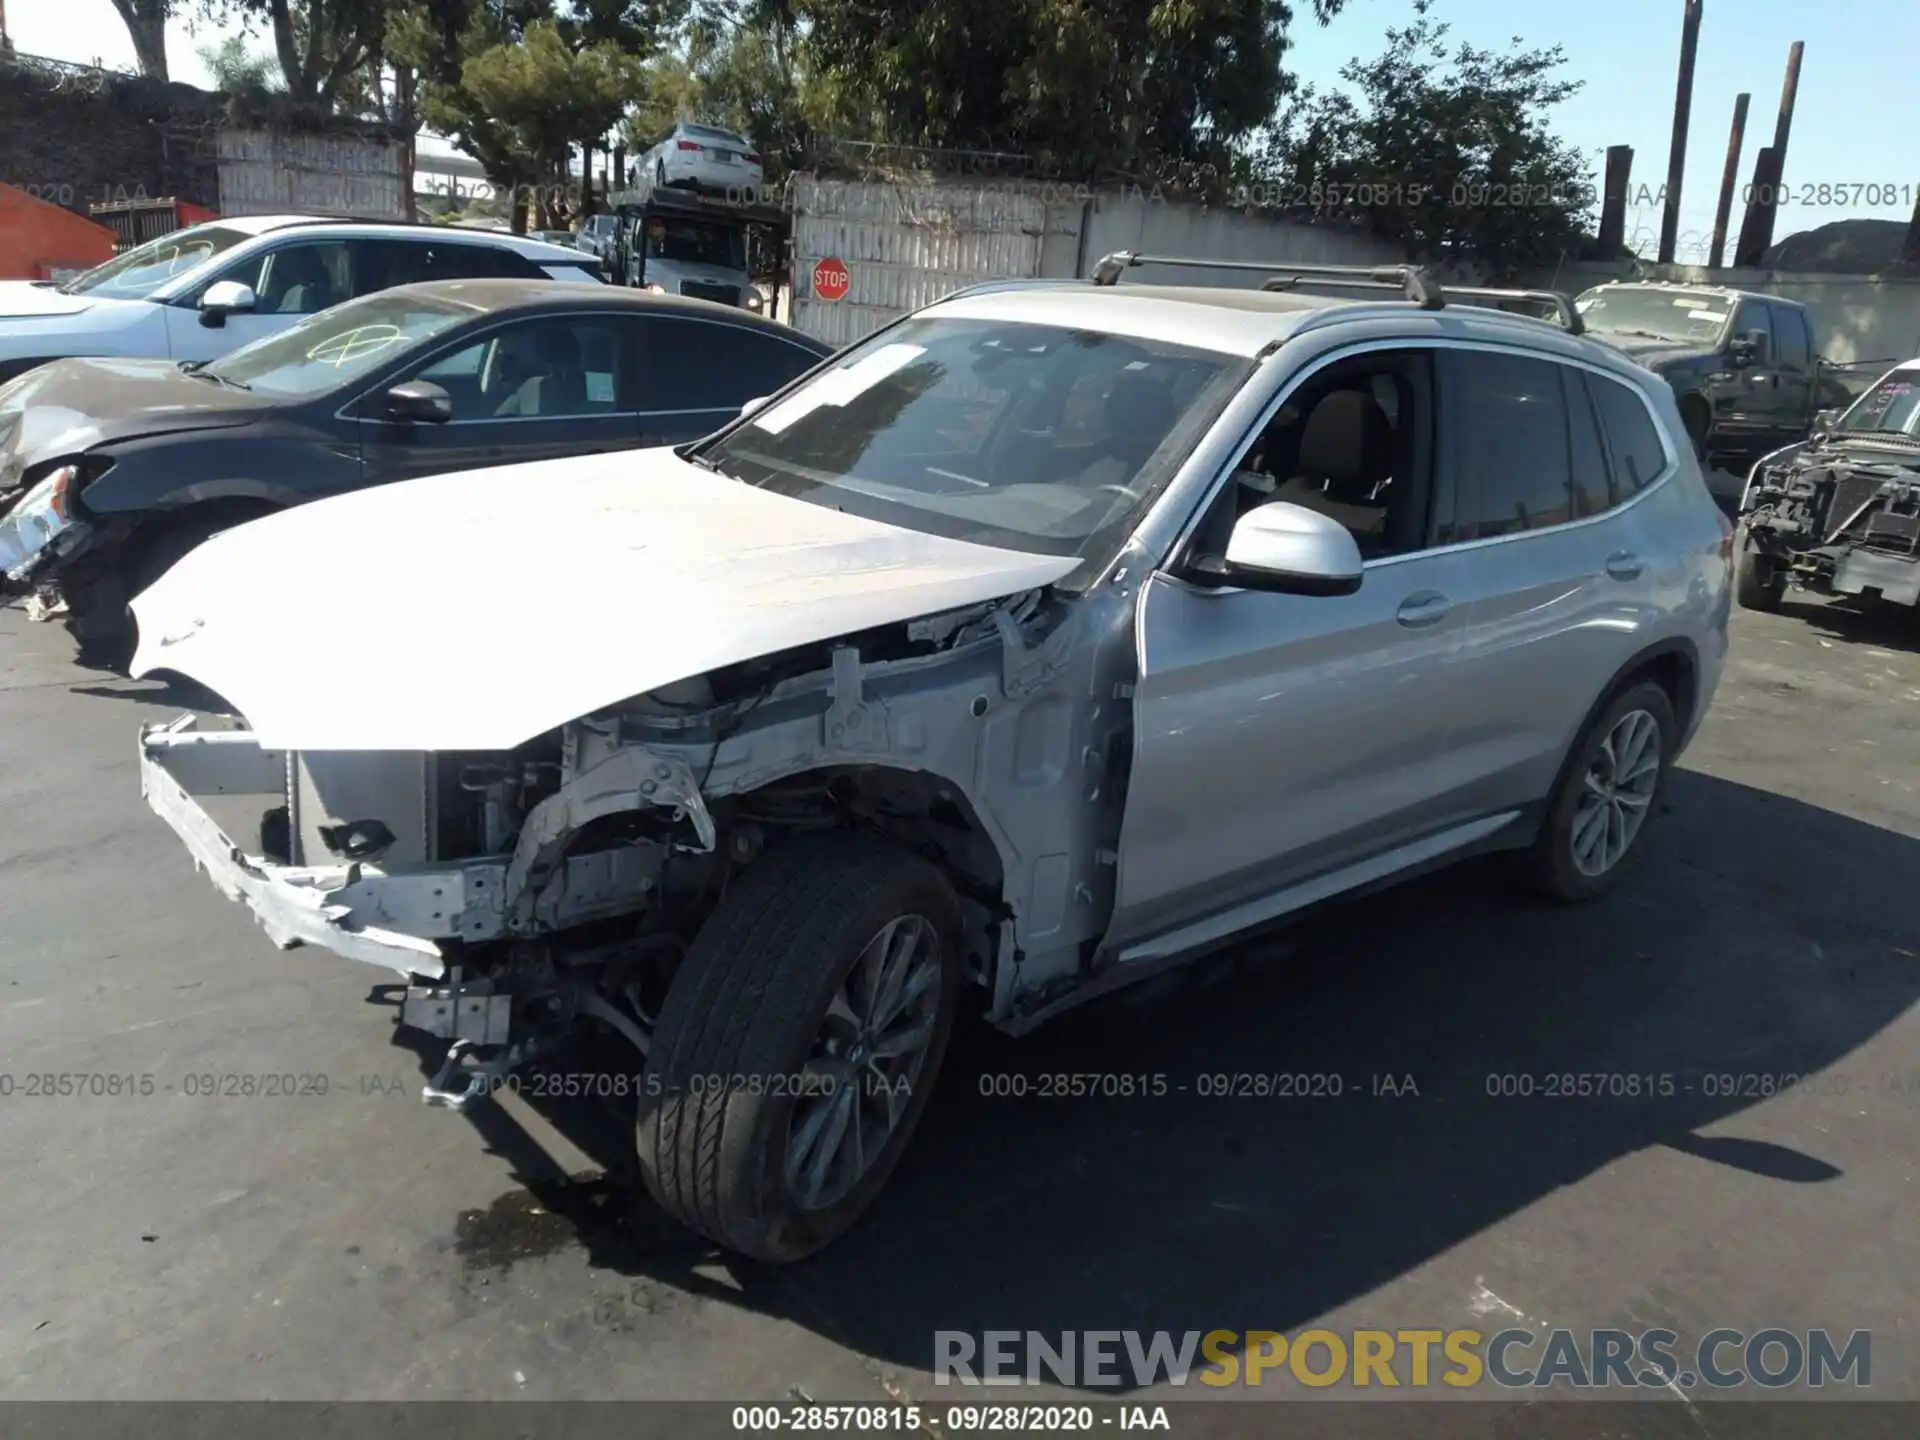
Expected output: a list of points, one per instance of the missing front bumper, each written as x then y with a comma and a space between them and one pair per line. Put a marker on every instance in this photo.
399, 919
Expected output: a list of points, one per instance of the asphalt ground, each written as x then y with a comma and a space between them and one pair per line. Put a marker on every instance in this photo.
358, 1245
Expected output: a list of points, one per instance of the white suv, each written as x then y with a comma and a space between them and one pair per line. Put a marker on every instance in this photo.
1043, 639
197, 293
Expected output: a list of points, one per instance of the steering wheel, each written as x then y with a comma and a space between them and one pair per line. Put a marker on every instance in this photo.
1123, 491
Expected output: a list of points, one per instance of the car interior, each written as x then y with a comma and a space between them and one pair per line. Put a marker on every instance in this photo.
546, 368
1355, 444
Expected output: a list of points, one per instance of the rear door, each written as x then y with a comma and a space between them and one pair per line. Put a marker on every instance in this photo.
1560, 582
697, 372
1793, 374
532, 388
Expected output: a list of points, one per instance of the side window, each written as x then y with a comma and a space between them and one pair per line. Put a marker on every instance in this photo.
1508, 415
478, 262
1593, 491
710, 365
301, 278
1751, 316
1633, 443
1791, 346
547, 368
1355, 443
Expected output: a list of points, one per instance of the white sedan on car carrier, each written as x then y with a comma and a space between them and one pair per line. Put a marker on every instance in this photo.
701, 157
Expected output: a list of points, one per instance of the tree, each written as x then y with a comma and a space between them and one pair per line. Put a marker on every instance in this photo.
1133, 88
520, 104
744, 66
1448, 154
146, 22
326, 49
235, 68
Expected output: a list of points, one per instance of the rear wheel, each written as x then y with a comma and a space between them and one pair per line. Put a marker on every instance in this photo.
1606, 794
798, 1044
1758, 583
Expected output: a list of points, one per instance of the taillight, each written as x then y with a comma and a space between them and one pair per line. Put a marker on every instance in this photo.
1726, 538
688, 145
752, 159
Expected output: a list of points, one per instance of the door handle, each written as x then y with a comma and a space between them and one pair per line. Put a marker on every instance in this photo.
1422, 608
1624, 565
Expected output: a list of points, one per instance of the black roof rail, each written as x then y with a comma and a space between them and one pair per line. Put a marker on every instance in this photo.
1412, 281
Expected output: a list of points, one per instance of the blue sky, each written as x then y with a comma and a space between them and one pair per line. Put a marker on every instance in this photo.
1857, 121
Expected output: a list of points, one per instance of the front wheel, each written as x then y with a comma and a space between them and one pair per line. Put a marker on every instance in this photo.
1605, 795
102, 625
1695, 416
1757, 581
798, 1044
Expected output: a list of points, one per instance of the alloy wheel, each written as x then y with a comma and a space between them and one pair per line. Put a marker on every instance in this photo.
1616, 793
868, 1055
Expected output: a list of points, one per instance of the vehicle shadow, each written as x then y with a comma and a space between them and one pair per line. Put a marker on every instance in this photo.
161, 688
1870, 622
1756, 936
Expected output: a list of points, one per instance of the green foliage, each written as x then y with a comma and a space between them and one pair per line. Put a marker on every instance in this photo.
1124, 89
1447, 152
745, 67
236, 67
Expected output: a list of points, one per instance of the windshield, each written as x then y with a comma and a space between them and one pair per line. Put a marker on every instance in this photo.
696, 242
1026, 437
325, 351
1655, 314
138, 273
1891, 408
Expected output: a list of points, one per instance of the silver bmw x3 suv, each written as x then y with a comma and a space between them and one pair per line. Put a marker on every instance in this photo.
1053, 635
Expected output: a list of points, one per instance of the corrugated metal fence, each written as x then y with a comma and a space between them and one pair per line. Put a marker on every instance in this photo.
905, 244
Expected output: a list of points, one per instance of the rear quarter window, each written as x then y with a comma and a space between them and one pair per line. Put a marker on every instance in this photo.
1634, 450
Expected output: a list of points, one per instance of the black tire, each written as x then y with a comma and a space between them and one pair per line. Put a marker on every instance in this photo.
1698, 420
1552, 865
1758, 583
105, 628
743, 1014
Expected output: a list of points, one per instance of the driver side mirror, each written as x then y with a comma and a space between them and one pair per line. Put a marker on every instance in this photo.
1750, 348
419, 401
1287, 548
1824, 421
224, 298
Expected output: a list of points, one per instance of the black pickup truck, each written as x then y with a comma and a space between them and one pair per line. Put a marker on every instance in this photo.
1743, 366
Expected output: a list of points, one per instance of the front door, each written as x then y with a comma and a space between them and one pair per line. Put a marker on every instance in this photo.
536, 388
1285, 739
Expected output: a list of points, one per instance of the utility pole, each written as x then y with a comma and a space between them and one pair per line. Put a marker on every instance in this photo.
1682, 111
1729, 177
1782, 129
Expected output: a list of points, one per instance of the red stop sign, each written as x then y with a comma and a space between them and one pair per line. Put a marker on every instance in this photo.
830, 278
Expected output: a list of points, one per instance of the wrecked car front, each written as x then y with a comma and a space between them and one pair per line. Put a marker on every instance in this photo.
1840, 514
457, 747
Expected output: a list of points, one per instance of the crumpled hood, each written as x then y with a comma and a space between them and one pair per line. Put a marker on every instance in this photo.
67, 407
476, 610
22, 299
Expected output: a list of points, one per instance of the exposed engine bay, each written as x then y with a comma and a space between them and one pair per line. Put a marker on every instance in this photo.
1839, 519
524, 892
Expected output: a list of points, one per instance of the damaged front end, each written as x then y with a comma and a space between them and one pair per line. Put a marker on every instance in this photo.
528, 895
1839, 519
